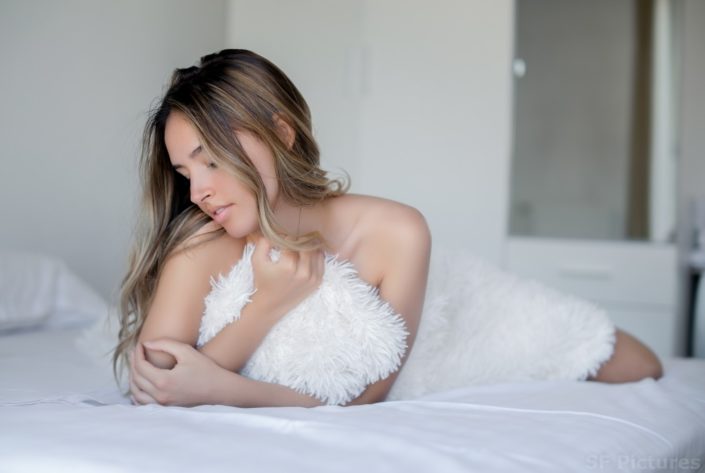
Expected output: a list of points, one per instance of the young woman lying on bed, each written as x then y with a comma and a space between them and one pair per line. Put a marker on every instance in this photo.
230, 168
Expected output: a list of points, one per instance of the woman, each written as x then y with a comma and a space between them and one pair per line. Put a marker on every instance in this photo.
229, 159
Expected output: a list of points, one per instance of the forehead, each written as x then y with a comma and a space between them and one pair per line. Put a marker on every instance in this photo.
180, 136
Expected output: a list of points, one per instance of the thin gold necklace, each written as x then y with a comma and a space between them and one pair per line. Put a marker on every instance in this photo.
298, 227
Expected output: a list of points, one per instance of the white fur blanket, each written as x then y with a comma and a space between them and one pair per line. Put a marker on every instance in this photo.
339, 340
480, 325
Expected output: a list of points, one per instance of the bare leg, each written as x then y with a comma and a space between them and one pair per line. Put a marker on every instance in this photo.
630, 361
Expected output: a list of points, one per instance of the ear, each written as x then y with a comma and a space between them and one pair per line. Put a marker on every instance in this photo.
284, 130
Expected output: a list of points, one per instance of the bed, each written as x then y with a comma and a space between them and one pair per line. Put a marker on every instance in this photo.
60, 410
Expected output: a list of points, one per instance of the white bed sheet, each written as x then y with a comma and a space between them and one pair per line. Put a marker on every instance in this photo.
61, 411
49, 363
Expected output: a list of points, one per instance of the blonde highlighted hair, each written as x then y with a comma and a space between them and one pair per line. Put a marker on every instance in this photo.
233, 89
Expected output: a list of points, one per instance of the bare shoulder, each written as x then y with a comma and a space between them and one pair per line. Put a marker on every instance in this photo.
206, 253
373, 211
384, 232
390, 221
184, 281
392, 253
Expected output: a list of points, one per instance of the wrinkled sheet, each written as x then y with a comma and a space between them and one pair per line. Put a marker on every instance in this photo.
61, 411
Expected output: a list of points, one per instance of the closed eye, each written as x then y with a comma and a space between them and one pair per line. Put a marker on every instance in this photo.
179, 172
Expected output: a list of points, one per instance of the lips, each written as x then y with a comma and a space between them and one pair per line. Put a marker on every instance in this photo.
219, 213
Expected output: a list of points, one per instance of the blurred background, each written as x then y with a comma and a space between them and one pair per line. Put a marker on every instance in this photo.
561, 139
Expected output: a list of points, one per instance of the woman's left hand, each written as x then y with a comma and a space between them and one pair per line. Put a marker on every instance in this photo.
188, 383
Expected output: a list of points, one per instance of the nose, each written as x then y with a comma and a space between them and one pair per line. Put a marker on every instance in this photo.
200, 190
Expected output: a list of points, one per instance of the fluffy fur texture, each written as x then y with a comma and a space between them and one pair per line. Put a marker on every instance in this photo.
331, 346
481, 325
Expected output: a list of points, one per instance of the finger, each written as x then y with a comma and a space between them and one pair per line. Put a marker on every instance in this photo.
315, 264
290, 259
136, 377
262, 249
139, 396
148, 378
268, 253
320, 265
306, 265
178, 350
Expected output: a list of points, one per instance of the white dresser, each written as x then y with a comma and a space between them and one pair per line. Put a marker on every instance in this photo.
635, 282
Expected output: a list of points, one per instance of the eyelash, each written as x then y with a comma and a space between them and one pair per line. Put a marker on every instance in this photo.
209, 165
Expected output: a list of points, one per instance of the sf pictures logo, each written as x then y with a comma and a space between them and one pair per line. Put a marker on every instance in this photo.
643, 463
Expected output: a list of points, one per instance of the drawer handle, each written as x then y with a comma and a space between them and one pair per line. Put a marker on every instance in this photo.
586, 272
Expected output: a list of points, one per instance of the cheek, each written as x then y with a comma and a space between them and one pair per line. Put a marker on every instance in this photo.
263, 160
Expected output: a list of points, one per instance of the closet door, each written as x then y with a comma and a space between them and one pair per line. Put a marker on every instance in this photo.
593, 195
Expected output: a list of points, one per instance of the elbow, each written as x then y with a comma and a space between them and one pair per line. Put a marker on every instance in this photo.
159, 358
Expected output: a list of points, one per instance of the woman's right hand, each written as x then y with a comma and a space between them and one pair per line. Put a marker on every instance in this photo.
281, 285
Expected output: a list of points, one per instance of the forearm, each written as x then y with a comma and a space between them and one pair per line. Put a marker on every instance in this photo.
236, 342
236, 390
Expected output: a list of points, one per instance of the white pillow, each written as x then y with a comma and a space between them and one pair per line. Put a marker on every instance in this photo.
37, 290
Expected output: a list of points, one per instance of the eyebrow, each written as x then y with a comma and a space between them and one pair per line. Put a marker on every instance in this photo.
191, 155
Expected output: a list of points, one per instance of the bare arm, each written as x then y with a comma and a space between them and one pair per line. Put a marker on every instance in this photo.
403, 286
281, 286
184, 283
197, 379
180, 294
175, 311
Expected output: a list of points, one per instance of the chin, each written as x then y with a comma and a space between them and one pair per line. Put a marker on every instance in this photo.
239, 231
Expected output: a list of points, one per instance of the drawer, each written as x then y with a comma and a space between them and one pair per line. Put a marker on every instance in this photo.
656, 328
622, 272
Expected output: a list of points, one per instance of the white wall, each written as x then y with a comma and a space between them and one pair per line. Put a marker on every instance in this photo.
79, 75
570, 171
411, 97
77, 79
314, 42
436, 118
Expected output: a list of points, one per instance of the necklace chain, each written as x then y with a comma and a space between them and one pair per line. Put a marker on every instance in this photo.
298, 227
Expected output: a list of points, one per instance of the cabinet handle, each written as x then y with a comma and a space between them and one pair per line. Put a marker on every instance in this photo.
586, 272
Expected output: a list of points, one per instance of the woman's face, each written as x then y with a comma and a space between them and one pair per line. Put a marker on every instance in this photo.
216, 191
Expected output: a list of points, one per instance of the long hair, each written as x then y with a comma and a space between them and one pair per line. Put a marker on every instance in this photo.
233, 89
